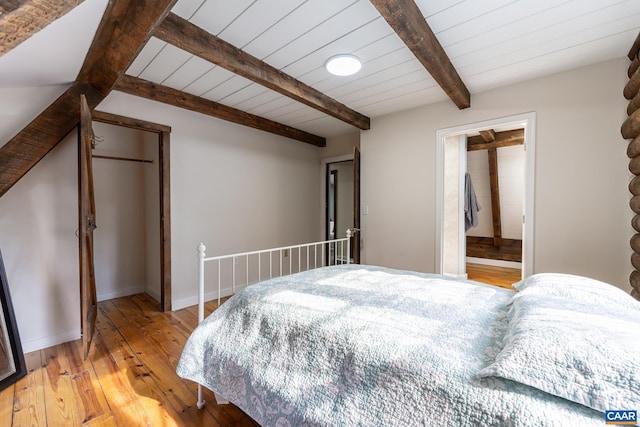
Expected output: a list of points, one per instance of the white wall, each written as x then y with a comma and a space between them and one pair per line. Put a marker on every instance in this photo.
127, 194
341, 145
232, 187
38, 219
120, 236
582, 217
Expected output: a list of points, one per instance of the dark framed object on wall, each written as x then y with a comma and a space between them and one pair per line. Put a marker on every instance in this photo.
12, 366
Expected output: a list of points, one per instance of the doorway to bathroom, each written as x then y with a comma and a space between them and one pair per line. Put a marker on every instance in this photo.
500, 238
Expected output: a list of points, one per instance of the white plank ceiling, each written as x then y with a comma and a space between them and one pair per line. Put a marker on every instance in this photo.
491, 43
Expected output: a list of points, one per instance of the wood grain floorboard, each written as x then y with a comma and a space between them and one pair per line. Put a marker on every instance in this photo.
497, 276
128, 380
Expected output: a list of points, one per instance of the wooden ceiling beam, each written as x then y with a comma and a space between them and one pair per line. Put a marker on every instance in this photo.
495, 196
155, 92
10, 5
26, 149
407, 21
193, 39
125, 28
128, 122
20, 19
502, 139
488, 135
489, 141
123, 31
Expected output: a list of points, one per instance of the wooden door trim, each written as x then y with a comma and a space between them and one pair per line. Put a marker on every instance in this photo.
86, 225
165, 221
164, 139
356, 205
114, 119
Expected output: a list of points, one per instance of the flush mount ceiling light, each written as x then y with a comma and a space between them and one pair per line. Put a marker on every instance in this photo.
343, 65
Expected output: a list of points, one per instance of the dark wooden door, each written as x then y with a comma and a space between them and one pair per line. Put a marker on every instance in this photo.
356, 205
86, 225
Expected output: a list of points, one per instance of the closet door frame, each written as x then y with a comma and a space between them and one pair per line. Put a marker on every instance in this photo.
164, 133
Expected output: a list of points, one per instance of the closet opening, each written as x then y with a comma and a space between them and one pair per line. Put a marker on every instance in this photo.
132, 240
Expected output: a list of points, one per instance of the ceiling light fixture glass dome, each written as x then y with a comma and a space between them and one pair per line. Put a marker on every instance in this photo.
343, 65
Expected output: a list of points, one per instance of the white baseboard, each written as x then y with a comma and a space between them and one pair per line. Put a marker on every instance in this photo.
124, 292
494, 262
50, 341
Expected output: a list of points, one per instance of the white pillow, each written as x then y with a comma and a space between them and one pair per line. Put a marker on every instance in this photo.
575, 338
572, 286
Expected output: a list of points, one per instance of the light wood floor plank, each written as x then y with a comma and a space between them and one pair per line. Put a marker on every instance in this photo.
161, 364
497, 276
59, 394
138, 382
6, 406
103, 421
91, 402
29, 405
128, 380
114, 380
90, 398
169, 335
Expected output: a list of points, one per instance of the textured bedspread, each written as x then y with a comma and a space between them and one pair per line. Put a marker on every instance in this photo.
367, 346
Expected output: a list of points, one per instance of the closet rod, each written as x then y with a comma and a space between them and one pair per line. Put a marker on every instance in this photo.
96, 156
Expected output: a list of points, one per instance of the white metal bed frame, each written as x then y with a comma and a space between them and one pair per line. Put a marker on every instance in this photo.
338, 246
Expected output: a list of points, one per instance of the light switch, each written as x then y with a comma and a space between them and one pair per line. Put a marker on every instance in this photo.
365, 210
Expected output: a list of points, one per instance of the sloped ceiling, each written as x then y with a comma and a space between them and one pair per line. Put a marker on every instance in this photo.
489, 43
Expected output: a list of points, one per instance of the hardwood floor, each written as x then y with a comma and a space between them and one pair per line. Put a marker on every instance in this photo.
129, 378
497, 276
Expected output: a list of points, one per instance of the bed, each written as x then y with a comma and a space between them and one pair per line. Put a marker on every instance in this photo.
349, 345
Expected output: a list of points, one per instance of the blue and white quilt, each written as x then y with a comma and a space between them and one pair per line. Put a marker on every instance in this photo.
358, 345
